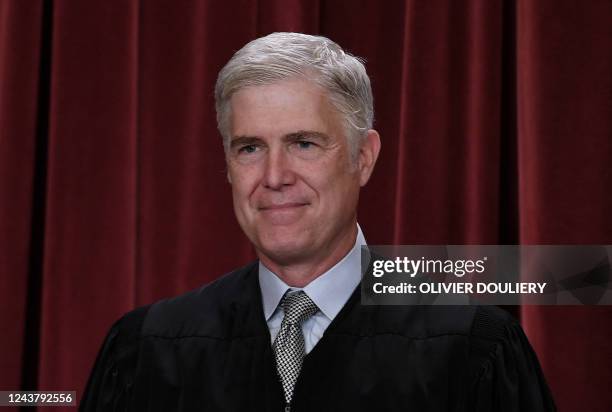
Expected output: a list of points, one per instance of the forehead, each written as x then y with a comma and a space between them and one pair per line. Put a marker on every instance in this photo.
283, 107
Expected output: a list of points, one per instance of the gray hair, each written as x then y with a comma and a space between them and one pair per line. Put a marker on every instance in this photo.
279, 56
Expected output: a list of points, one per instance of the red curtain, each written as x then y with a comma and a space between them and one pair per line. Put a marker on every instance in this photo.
496, 120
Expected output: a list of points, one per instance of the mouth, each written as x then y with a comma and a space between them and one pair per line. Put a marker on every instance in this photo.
282, 206
283, 214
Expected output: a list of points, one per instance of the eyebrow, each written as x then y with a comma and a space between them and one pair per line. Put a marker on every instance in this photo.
244, 141
306, 134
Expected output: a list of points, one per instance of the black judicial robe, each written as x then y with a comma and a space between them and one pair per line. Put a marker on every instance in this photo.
210, 350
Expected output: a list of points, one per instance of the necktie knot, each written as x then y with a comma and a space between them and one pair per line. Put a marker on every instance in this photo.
298, 307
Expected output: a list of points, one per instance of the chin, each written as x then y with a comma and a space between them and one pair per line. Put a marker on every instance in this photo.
284, 250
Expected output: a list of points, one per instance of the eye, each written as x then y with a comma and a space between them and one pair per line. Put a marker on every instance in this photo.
305, 148
304, 144
248, 149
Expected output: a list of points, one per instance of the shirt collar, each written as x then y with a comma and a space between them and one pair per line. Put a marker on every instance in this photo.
329, 292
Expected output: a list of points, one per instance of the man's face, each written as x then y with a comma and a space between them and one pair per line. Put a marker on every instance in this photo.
294, 186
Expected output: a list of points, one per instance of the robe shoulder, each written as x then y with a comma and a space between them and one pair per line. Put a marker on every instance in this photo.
480, 354
200, 312
208, 311
506, 374
116, 363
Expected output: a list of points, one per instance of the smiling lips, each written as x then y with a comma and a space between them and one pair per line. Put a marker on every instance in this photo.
282, 214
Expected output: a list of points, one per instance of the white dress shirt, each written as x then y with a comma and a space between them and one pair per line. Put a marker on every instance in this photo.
329, 292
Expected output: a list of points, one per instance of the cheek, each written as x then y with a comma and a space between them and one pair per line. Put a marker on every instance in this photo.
338, 187
243, 184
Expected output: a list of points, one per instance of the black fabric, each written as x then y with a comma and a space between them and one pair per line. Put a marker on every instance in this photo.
210, 350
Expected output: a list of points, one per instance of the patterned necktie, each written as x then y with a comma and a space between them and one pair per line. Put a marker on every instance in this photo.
289, 343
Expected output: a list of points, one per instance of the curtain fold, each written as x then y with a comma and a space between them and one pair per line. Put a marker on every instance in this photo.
20, 220
496, 129
90, 222
565, 179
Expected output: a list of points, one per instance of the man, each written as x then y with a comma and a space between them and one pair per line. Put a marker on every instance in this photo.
288, 331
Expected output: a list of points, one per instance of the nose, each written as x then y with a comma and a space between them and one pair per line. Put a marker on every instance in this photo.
278, 170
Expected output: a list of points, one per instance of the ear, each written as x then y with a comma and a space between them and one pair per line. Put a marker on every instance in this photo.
229, 176
368, 153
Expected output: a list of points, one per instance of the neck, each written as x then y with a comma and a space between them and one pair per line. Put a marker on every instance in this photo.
299, 274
